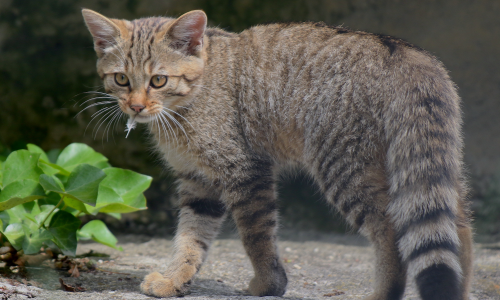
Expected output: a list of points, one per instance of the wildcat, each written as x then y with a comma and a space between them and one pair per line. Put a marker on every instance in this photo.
373, 119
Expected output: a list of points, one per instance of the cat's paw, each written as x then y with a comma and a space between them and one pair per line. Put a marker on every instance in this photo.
155, 284
272, 285
259, 287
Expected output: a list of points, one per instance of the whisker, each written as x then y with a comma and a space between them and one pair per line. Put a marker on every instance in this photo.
103, 119
117, 122
102, 115
94, 98
96, 114
95, 104
175, 122
169, 127
158, 121
110, 123
180, 116
97, 92
166, 133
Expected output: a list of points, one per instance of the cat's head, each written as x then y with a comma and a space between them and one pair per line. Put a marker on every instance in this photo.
149, 64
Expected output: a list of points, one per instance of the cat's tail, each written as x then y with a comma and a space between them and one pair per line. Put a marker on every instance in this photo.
425, 179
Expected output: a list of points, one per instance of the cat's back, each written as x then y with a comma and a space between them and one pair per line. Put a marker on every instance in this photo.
312, 40
296, 80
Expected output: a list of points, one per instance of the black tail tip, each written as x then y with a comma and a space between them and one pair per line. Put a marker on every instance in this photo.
439, 282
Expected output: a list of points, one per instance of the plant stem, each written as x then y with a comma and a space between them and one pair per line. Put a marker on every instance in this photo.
46, 217
78, 213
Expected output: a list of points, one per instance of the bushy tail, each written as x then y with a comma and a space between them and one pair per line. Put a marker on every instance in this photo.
424, 167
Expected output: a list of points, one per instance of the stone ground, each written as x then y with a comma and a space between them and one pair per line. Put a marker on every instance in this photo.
319, 267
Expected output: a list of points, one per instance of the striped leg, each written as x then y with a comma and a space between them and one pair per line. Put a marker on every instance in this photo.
255, 212
200, 218
390, 273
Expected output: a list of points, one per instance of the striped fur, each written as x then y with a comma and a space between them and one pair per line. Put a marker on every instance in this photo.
375, 120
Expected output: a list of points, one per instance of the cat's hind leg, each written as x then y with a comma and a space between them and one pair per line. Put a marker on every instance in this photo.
200, 218
364, 207
390, 272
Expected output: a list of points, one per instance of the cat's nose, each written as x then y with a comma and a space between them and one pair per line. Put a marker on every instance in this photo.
137, 107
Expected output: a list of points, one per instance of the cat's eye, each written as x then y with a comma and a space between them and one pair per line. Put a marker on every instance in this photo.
121, 79
158, 81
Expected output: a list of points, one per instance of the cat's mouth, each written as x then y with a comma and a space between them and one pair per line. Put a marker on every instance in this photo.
142, 118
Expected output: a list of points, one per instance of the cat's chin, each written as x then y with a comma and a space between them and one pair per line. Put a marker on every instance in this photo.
143, 119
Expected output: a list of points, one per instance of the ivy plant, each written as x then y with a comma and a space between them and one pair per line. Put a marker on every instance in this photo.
43, 194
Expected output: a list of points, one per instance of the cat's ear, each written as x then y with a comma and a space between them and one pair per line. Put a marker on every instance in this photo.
186, 33
105, 32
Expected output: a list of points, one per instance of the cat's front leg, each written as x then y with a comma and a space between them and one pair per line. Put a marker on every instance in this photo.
200, 218
252, 202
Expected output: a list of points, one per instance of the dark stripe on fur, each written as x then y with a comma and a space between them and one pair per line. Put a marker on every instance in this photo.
264, 185
251, 180
344, 183
438, 282
253, 218
254, 238
429, 217
349, 204
249, 201
433, 245
202, 244
436, 175
360, 218
207, 207
333, 179
396, 291
436, 106
392, 43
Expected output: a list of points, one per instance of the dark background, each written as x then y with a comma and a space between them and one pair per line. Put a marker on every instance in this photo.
47, 61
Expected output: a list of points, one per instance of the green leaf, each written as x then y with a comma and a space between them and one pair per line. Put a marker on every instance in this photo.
103, 165
44, 211
121, 191
83, 183
53, 154
51, 183
46, 168
53, 168
44, 163
31, 216
16, 214
51, 199
117, 216
20, 192
15, 234
5, 219
34, 240
139, 204
76, 154
63, 227
35, 149
100, 233
78, 205
20, 165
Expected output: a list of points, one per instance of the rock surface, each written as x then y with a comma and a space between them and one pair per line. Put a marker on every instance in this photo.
318, 266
